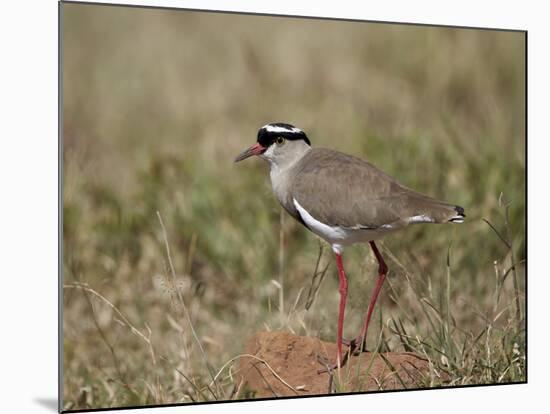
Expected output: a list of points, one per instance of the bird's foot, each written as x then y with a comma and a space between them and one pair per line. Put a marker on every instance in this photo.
354, 348
348, 342
328, 366
324, 361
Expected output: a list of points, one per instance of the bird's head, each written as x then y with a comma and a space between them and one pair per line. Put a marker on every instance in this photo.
278, 143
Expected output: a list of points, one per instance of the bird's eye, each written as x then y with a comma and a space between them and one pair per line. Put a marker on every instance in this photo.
280, 140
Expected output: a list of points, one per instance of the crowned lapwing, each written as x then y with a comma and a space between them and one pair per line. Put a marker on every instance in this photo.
344, 200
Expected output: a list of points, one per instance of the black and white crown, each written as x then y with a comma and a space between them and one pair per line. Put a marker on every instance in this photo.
268, 133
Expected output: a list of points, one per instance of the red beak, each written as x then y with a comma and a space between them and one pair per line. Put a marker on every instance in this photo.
255, 149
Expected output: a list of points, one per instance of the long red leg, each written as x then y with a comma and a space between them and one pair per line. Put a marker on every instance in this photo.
382, 271
343, 289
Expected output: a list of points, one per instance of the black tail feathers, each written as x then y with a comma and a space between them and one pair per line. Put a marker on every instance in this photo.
459, 218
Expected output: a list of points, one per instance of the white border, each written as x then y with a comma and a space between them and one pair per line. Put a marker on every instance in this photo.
28, 182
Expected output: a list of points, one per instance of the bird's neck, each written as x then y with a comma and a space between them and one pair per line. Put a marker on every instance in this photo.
281, 172
283, 164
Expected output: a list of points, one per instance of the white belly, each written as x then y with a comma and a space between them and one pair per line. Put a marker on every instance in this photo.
336, 235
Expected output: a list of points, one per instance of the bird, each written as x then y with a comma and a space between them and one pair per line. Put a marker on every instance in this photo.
344, 200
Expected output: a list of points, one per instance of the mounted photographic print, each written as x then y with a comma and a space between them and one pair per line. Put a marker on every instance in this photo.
261, 206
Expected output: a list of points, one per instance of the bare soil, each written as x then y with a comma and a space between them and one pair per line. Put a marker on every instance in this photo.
282, 364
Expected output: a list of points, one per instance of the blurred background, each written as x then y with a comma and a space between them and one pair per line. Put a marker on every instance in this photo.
156, 105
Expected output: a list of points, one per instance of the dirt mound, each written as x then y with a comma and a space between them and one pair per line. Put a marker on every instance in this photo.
282, 364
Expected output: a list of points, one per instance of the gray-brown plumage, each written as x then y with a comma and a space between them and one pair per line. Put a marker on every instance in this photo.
342, 190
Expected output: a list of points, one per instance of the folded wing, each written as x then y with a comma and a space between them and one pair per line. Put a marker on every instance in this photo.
366, 198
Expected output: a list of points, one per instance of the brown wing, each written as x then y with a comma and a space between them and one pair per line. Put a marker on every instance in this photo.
366, 197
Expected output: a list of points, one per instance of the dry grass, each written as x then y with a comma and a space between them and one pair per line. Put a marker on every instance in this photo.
156, 105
